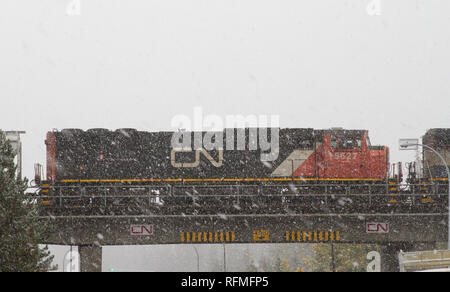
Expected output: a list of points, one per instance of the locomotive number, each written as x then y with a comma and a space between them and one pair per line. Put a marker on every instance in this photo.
345, 155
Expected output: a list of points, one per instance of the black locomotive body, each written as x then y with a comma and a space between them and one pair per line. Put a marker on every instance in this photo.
131, 155
232, 155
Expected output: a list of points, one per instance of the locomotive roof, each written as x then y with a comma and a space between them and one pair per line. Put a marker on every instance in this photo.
437, 136
126, 130
344, 132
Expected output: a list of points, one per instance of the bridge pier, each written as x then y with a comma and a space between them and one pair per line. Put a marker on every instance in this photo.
389, 253
90, 258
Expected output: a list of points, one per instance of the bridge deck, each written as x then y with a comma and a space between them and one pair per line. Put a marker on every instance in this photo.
275, 228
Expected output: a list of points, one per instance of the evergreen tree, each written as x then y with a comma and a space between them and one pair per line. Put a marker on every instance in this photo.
21, 229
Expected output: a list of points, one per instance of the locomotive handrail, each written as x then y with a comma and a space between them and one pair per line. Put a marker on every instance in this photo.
82, 192
245, 195
212, 199
400, 188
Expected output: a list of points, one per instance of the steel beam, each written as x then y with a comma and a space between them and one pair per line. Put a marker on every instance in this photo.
301, 228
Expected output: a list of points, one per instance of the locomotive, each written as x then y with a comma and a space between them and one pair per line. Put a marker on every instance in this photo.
101, 156
119, 172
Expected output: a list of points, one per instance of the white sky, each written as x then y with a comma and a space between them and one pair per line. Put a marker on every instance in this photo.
317, 63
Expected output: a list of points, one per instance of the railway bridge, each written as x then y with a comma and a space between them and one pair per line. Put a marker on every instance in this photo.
94, 216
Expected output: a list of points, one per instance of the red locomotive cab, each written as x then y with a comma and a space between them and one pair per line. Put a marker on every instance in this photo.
348, 154
343, 155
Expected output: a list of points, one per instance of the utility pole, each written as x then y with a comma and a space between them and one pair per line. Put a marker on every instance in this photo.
198, 258
333, 266
224, 259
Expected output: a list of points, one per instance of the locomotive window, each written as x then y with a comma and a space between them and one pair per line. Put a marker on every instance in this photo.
345, 143
349, 144
333, 142
358, 142
368, 141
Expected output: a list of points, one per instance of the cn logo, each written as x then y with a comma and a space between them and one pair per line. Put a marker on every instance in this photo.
141, 229
377, 227
196, 163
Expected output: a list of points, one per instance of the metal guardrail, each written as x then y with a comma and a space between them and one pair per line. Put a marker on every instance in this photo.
424, 260
157, 195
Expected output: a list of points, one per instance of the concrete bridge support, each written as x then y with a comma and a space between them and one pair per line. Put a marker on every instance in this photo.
90, 258
389, 253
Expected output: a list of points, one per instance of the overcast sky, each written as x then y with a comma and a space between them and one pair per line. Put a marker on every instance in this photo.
318, 63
